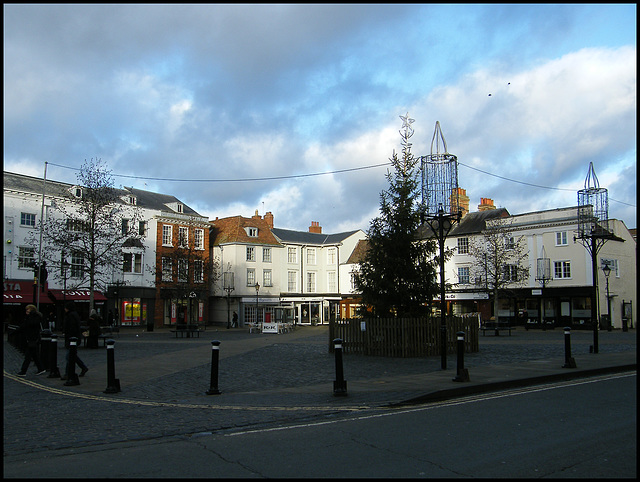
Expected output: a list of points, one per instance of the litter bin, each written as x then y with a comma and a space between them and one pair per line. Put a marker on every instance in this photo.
150, 325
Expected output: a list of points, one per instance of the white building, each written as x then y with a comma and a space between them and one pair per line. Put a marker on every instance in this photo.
130, 292
564, 299
299, 274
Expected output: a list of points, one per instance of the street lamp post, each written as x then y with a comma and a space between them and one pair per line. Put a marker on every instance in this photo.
257, 290
607, 271
441, 209
228, 286
443, 226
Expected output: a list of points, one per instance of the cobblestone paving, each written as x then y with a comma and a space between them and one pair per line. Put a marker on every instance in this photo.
36, 420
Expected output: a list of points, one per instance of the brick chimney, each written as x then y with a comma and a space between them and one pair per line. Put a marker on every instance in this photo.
268, 217
485, 204
463, 202
315, 227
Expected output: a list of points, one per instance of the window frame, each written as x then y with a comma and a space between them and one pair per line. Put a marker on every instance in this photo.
562, 239
267, 277
24, 216
183, 236
167, 269
463, 245
198, 271
198, 239
292, 281
251, 277
464, 277
562, 267
24, 260
311, 256
167, 235
76, 267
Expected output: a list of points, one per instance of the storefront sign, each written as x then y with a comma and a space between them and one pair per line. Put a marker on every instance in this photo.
270, 328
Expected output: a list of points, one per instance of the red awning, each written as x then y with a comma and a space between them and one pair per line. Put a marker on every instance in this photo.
18, 292
77, 295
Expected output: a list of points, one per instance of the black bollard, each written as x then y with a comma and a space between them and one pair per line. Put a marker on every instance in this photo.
462, 373
569, 362
340, 384
215, 357
113, 384
54, 371
72, 376
45, 343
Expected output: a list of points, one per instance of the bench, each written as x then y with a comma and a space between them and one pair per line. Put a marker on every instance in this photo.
255, 326
186, 330
496, 327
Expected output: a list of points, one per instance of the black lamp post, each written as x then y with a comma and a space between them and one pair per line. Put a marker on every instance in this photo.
607, 271
257, 290
441, 225
228, 286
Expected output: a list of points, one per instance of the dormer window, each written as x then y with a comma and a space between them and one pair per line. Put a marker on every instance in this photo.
76, 191
131, 200
176, 206
251, 232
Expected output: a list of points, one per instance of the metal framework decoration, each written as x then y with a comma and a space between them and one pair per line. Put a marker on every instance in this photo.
593, 233
441, 209
593, 207
440, 178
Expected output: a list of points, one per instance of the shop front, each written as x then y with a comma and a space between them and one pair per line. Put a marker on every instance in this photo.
17, 294
188, 310
315, 310
548, 307
81, 298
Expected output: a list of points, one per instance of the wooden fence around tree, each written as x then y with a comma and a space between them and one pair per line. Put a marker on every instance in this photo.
403, 337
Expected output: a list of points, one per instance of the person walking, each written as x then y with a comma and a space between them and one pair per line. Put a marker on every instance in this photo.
31, 328
234, 324
94, 329
71, 330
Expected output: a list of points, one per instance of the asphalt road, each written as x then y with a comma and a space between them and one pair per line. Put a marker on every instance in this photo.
583, 428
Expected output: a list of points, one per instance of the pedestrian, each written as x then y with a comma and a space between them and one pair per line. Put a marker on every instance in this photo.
71, 330
234, 323
94, 329
31, 328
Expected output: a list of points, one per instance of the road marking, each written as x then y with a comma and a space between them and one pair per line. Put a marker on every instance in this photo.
444, 403
85, 396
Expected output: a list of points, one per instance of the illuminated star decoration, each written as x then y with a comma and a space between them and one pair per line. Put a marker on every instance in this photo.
406, 121
406, 125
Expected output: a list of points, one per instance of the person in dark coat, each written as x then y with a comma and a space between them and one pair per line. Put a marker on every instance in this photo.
94, 329
72, 329
235, 320
31, 329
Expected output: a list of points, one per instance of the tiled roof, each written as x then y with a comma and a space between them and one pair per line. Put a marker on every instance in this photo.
304, 237
232, 230
472, 223
358, 252
144, 199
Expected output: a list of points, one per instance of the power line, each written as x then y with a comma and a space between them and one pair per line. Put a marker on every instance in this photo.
249, 179
535, 185
339, 171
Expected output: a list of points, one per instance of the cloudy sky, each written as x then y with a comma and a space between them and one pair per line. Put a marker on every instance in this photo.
294, 109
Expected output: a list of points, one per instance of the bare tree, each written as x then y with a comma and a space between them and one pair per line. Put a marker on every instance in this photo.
500, 259
89, 227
